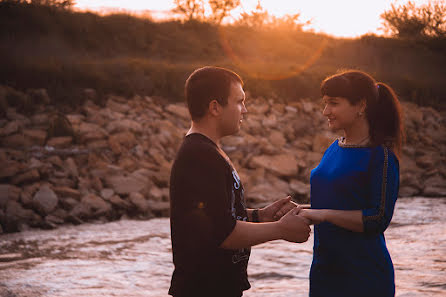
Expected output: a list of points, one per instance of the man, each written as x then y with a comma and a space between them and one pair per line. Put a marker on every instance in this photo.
211, 229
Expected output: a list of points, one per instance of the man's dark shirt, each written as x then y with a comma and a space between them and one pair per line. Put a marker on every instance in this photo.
206, 199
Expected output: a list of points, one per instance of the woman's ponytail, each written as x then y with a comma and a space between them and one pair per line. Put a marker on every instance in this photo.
385, 119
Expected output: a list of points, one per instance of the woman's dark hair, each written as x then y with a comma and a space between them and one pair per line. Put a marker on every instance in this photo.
206, 84
383, 109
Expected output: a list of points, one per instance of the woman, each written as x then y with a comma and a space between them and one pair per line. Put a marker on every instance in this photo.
354, 189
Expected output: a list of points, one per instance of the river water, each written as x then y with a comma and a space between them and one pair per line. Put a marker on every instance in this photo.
133, 258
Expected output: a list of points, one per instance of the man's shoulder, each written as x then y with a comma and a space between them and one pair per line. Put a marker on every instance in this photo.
199, 150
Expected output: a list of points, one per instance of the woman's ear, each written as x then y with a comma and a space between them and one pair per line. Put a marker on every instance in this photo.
362, 106
214, 108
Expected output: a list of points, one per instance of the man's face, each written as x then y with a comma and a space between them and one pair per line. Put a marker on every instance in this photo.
232, 114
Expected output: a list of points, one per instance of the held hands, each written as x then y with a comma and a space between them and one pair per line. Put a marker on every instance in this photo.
293, 227
276, 210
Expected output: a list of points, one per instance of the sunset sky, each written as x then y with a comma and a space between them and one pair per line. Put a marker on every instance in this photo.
343, 18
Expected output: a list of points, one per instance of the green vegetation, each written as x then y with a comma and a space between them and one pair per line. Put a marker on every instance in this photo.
43, 46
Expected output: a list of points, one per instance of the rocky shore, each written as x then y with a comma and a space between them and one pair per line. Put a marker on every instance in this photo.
105, 162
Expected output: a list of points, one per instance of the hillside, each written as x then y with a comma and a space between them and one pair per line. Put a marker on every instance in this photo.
66, 52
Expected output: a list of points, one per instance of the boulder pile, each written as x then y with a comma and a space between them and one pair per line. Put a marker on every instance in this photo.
105, 162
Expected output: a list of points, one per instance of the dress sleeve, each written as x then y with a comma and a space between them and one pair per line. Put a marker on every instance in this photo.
204, 209
384, 185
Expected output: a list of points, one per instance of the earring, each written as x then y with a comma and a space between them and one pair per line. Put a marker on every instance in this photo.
360, 113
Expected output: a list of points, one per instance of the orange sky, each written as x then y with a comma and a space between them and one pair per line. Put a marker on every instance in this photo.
343, 18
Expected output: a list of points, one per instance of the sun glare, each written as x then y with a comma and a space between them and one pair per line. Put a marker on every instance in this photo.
341, 18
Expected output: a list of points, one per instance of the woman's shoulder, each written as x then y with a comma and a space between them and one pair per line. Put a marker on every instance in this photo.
383, 153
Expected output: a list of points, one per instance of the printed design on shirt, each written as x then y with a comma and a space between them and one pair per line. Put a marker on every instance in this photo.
237, 194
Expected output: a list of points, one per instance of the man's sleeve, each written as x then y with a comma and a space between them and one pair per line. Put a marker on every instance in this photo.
384, 178
205, 202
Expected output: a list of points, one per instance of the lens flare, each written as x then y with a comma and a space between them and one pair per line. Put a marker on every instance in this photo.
264, 65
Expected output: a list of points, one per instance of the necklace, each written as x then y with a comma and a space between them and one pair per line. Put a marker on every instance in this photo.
362, 142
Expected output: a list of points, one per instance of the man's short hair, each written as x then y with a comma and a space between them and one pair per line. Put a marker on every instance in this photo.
206, 84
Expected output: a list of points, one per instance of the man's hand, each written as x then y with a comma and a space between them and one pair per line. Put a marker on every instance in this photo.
293, 227
276, 210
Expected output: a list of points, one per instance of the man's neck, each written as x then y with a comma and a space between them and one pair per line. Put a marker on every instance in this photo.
207, 130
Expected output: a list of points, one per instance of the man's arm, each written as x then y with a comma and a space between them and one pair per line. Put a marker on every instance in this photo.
274, 211
290, 227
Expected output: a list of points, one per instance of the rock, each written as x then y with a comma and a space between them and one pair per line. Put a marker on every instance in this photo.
10, 128
282, 165
125, 184
435, 186
67, 192
68, 203
178, 110
97, 144
16, 215
27, 194
434, 191
139, 201
10, 169
159, 208
124, 125
96, 205
122, 139
322, 141
260, 195
270, 121
8, 193
16, 141
56, 160
426, 161
300, 188
29, 176
37, 137
408, 191
45, 200
119, 202
60, 142
107, 193
117, 107
53, 220
159, 194
75, 119
90, 131
39, 96
277, 139
71, 167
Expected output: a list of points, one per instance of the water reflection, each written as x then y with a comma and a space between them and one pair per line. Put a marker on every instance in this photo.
133, 258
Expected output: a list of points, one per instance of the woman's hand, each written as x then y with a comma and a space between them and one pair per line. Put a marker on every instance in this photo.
315, 216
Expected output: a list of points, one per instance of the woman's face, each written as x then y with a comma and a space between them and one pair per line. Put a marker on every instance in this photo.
340, 113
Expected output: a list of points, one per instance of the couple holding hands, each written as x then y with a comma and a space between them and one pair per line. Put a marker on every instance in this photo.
353, 192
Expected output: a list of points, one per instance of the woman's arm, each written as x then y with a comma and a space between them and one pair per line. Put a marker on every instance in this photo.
347, 219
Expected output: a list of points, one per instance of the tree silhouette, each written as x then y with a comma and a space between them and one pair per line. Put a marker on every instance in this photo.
190, 9
221, 9
411, 21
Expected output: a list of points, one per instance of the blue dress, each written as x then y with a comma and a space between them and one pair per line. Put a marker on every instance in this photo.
347, 263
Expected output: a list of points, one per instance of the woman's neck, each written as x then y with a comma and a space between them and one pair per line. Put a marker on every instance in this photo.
357, 134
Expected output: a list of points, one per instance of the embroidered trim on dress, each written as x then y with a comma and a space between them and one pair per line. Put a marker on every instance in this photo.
383, 189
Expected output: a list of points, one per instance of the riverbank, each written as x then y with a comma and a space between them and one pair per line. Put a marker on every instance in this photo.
105, 162
133, 258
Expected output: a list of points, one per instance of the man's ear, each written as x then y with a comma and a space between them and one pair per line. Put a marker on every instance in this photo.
214, 108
